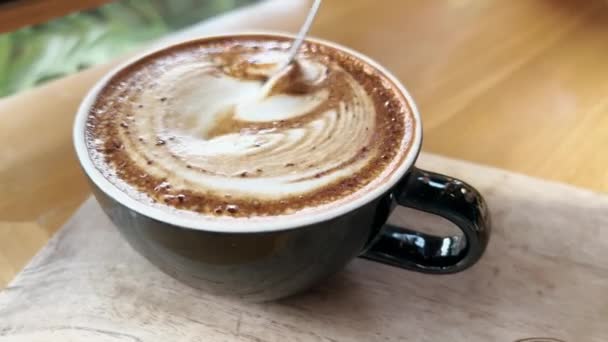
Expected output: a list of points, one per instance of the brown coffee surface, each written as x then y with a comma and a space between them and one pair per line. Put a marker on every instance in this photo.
188, 128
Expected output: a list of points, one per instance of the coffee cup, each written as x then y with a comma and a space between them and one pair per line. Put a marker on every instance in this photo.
277, 258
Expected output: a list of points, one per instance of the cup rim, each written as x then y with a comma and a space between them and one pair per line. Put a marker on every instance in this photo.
240, 225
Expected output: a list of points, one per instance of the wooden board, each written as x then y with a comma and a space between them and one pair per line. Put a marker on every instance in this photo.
545, 274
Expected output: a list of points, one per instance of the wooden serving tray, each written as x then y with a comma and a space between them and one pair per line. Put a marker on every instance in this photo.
545, 275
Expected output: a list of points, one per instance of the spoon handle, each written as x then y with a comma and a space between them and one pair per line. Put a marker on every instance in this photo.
295, 47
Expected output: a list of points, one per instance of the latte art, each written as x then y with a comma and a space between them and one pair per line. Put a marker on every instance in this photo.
202, 129
221, 133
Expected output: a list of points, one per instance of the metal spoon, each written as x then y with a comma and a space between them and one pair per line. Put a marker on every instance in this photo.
295, 47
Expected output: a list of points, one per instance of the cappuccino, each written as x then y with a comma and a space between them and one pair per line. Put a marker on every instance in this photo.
198, 127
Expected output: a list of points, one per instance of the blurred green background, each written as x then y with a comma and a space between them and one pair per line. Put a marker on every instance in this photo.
33, 55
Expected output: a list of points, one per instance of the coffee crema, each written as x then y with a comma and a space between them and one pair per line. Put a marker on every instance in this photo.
191, 128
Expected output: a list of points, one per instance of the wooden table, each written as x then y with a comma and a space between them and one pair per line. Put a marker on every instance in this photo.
516, 84
19, 13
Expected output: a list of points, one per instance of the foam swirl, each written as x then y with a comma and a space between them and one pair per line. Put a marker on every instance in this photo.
204, 124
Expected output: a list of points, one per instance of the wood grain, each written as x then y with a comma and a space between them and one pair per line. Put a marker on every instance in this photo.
19, 13
515, 84
544, 275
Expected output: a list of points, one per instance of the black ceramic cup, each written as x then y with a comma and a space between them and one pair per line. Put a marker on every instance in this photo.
268, 261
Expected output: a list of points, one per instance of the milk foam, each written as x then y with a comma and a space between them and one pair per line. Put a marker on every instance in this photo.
206, 128
264, 159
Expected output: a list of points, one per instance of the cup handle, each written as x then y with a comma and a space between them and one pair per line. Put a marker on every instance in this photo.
440, 195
